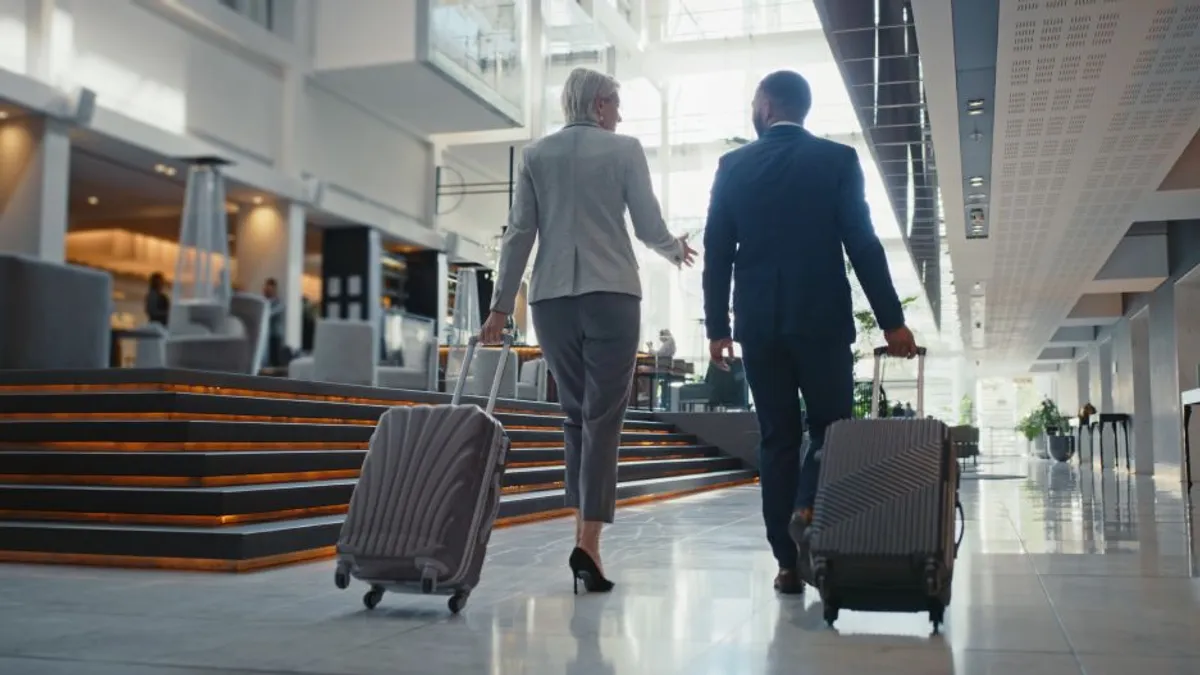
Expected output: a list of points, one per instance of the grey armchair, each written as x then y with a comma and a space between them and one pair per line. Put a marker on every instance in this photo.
212, 339
53, 316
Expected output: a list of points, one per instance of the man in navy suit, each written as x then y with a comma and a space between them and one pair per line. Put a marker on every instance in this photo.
783, 209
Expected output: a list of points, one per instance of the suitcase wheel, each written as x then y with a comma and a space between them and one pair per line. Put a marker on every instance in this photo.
372, 598
457, 602
937, 615
341, 577
831, 615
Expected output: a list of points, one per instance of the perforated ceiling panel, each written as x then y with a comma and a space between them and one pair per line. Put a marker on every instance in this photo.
1095, 99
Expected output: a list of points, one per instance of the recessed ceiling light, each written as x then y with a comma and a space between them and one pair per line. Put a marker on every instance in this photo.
93, 200
976, 181
975, 106
258, 200
3, 114
976, 197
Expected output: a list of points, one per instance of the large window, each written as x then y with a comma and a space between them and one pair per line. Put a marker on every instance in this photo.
261, 12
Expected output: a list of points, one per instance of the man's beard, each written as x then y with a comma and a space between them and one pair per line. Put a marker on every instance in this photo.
760, 125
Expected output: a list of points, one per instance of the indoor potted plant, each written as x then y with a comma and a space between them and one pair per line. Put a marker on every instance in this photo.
1030, 426
1060, 444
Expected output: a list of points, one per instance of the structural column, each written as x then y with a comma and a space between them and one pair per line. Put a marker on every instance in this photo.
35, 161
270, 245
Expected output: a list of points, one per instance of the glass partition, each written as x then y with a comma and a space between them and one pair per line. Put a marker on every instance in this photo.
482, 40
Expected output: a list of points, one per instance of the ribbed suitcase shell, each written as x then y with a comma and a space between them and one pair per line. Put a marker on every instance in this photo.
427, 497
886, 506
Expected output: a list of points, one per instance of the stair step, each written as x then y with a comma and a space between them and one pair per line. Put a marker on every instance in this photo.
218, 469
227, 505
246, 546
169, 380
140, 406
209, 435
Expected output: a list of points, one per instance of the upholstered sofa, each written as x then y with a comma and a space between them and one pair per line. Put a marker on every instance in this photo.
52, 315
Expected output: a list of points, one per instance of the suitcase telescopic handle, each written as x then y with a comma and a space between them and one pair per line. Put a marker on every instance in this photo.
494, 393
877, 381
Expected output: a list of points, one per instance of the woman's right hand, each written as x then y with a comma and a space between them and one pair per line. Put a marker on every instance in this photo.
493, 329
688, 257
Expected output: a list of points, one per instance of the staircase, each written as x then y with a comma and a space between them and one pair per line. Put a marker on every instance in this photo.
195, 476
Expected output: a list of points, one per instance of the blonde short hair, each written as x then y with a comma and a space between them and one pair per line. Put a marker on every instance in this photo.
582, 89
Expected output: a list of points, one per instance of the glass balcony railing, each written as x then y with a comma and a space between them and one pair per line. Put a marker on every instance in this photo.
483, 40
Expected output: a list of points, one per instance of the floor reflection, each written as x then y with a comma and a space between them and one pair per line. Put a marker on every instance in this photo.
1063, 570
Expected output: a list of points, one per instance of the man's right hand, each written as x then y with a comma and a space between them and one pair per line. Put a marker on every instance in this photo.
900, 342
718, 350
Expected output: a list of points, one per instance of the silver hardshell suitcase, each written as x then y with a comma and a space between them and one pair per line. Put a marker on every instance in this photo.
883, 530
427, 497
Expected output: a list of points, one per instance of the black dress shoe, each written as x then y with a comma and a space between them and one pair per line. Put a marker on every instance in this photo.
788, 582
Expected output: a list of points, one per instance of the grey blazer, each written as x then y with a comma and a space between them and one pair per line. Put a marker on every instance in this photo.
572, 192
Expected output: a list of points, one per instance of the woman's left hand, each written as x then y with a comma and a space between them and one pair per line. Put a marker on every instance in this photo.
493, 329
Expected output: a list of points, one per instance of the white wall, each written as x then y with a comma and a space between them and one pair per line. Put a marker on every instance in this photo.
362, 154
153, 70
12, 35
372, 33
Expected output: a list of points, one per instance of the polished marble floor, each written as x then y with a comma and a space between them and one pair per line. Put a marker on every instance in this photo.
1060, 573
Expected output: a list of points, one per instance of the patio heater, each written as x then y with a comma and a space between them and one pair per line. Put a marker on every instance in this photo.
465, 320
202, 277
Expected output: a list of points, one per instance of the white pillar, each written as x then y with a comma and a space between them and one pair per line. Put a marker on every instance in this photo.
1105, 404
270, 245
35, 160
1083, 380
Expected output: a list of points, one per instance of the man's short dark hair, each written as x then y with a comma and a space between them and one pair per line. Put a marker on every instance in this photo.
271, 281
789, 94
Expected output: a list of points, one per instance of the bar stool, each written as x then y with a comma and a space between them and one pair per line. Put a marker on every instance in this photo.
1113, 420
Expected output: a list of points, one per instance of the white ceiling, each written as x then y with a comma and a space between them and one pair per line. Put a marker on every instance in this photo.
1095, 101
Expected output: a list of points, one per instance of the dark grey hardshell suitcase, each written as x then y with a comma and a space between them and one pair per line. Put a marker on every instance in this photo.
883, 532
423, 509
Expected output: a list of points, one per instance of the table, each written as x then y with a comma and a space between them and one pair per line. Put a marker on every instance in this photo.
1187, 399
115, 359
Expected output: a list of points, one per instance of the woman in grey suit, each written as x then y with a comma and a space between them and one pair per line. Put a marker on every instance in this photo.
572, 192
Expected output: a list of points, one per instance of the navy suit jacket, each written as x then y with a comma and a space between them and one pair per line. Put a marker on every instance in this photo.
783, 209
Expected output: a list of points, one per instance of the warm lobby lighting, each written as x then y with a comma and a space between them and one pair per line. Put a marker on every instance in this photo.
164, 169
257, 200
3, 115
93, 200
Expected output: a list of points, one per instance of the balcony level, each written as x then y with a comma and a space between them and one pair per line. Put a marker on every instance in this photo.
440, 66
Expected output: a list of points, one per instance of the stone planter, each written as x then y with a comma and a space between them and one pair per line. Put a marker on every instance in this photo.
1061, 448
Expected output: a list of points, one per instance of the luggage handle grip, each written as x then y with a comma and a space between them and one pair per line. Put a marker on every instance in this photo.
877, 381
494, 393
882, 351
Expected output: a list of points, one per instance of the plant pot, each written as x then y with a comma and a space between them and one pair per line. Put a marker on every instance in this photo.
1061, 448
1039, 447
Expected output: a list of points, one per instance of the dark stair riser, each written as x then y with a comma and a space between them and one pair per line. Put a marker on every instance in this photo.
123, 380
172, 432
148, 403
201, 465
181, 464
198, 543
280, 538
174, 501
265, 499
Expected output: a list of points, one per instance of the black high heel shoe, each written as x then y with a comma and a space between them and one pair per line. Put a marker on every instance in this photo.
583, 568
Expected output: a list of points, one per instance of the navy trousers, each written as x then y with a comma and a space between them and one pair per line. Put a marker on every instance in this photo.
780, 370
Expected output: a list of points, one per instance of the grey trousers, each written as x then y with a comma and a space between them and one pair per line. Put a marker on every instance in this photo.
590, 344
